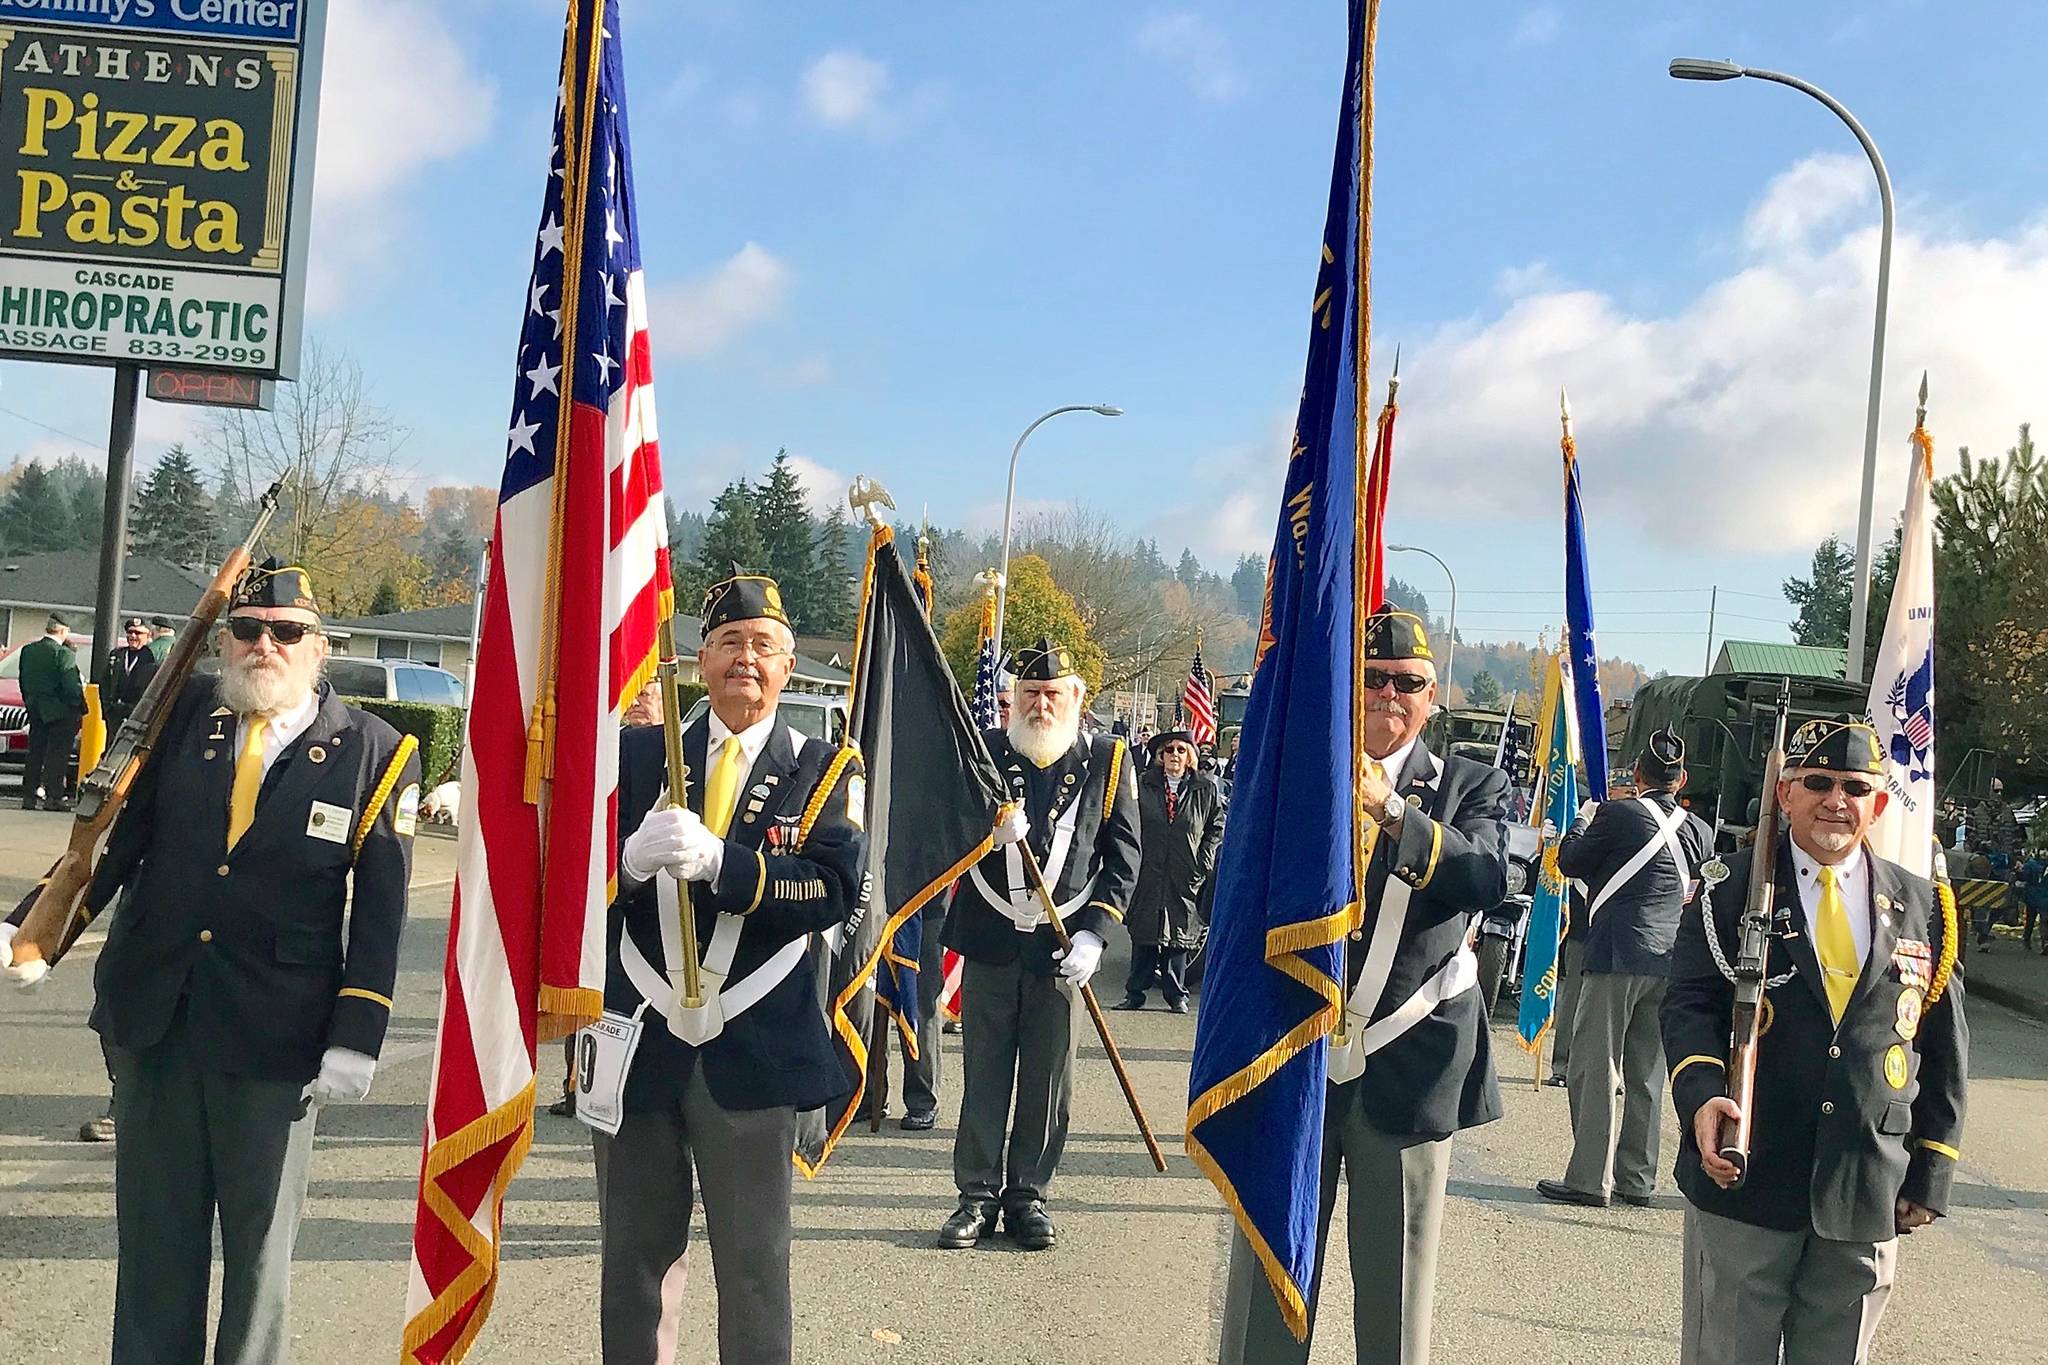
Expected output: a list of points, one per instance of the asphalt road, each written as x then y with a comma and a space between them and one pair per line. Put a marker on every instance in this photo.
1137, 1278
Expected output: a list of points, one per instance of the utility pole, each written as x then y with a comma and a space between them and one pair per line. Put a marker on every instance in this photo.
1713, 608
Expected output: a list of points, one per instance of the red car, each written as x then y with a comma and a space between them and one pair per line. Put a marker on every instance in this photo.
13, 715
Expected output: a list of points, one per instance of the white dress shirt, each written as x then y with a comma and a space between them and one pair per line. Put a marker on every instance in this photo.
283, 728
1394, 762
753, 740
1852, 879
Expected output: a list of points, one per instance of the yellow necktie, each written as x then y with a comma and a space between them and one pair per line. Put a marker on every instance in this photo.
722, 788
1372, 825
248, 781
1836, 943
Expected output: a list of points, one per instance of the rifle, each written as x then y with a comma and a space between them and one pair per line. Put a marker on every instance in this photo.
58, 917
1753, 953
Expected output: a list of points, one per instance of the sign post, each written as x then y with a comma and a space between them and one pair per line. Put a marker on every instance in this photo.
156, 174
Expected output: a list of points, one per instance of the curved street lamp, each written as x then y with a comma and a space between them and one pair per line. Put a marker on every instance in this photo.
1707, 69
1450, 648
1010, 501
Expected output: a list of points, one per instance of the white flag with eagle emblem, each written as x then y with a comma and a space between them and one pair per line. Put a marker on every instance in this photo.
1902, 679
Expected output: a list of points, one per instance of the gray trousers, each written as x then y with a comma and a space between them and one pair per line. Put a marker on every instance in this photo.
1751, 1293
1571, 961
1017, 1037
921, 1073
1393, 1216
644, 1191
1617, 1084
191, 1145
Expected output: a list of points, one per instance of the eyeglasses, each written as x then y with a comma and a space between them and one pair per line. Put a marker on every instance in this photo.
1407, 684
1855, 788
761, 645
250, 629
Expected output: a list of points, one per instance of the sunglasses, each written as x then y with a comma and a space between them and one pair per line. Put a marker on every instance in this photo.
1854, 788
1407, 684
250, 629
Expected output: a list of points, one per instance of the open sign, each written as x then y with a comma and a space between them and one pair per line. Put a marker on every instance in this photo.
217, 388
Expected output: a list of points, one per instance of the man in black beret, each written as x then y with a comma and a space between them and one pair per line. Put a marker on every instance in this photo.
263, 858
1639, 857
1858, 1109
1076, 801
130, 666
1416, 1065
765, 853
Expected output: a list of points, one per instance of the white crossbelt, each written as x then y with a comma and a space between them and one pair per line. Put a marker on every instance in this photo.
1664, 837
736, 997
1366, 1035
1020, 903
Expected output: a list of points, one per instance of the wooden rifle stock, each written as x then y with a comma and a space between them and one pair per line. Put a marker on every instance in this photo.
56, 919
1753, 956
689, 982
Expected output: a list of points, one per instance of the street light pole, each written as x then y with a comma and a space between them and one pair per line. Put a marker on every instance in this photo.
1699, 69
1010, 500
1450, 649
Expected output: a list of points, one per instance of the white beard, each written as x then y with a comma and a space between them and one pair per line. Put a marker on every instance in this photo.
1044, 746
1834, 841
253, 691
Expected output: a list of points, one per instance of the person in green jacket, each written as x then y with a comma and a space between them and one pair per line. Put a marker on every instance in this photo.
55, 697
162, 635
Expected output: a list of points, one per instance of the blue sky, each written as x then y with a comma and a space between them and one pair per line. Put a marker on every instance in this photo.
887, 237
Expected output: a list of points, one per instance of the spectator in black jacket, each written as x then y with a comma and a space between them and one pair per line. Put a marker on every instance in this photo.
1639, 858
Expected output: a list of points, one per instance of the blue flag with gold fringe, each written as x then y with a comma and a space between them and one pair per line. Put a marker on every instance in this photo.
1578, 615
1288, 876
1557, 800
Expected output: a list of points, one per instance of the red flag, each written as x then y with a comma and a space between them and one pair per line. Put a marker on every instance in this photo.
579, 581
1375, 510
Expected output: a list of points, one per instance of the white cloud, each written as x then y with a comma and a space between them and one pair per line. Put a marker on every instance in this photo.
1819, 192
808, 373
703, 315
1537, 27
1734, 418
844, 89
1196, 50
823, 486
1517, 280
398, 94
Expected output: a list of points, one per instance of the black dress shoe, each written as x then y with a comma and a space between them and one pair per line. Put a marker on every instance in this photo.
564, 1108
1030, 1226
971, 1222
1560, 1193
918, 1123
1130, 1002
1558, 1081
1636, 1201
1176, 1007
100, 1129
29, 803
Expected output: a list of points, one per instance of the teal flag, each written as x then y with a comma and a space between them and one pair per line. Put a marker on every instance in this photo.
1557, 800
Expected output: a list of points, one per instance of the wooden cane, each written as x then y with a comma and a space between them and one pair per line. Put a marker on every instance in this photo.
1116, 1061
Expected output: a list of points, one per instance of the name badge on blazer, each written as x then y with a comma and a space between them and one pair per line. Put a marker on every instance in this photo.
329, 822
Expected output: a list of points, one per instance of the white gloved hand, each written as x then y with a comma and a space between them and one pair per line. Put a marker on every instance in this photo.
1550, 831
703, 854
659, 843
344, 1076
1014, 826
28, 976
1078, 963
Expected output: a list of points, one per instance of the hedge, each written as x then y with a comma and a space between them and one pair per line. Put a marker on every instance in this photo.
437, 728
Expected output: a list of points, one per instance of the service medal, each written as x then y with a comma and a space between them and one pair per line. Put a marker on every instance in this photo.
1910, 1005
1895, 1066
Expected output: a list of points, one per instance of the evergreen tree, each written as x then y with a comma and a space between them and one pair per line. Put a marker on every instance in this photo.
173, 517
88, 498
832, 604
1150, 567
1248, 583
1405, 597
731, 537
1189, 570
450, 557
1823, 596
36, 515
788, 554
1485, 691
385, 600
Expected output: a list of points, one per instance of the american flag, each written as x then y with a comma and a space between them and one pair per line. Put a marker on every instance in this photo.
983, 703
1198, 700
579, 580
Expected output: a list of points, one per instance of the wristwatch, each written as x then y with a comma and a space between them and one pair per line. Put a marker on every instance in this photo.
1392, 809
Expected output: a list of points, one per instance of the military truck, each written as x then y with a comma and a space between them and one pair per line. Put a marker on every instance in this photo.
1473, 732
1725, 721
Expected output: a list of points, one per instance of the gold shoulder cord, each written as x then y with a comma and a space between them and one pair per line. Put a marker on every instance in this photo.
407, 746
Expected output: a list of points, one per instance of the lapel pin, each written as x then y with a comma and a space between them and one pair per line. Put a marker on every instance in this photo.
1415, 800
759, 791
316, 754
1884, 902
209, 753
